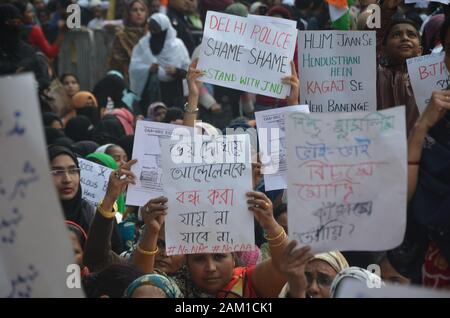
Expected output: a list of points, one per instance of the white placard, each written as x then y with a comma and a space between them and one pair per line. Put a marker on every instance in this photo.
251, 54
427, 73
94, 179
347, 179
34, 243
148, 170
338, 70
416, 1
206, 182
272, 143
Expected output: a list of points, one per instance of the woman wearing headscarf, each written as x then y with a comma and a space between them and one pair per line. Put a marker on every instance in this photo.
153, 286
126, 119
108, 130
157, 112
66, 178
113, 92
160, 52
135, 19
310, 278
85, 147
52, 120
369, 279
79, 128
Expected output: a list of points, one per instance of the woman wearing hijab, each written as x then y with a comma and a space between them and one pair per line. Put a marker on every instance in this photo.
135, 19
66, 178
153, 286
157, 112
108, 130
113, 92
126, 119
160, 52
52, 120
84, 148
79, 128
369, 279
310, 278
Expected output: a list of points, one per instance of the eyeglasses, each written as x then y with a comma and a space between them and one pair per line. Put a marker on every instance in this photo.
61, 172
323, 281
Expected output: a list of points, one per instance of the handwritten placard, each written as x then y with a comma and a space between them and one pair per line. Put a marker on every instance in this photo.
347, 179
272, 142
251, 54
207, 203
34, 243
337, 70
427, 73
94, 180
148, 169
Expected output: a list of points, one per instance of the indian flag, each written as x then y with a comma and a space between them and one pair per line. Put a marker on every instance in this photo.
339, 14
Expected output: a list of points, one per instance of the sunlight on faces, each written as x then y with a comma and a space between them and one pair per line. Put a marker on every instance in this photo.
211, 272
67, 184
402, 43
319, 276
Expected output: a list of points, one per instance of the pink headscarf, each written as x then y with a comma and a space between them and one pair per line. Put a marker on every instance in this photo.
126, 118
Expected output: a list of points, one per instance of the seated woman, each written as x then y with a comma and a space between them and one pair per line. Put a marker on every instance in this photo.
66, 178
160, 52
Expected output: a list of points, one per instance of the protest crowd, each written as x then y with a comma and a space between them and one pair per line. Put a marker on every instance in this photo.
223, 69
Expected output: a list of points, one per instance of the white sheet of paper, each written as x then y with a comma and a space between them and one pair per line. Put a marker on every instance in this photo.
271, 128
337, 70
427, 73
352, 288
207, 200
251, 54
34, 242
148, 170
94, 180
347, 179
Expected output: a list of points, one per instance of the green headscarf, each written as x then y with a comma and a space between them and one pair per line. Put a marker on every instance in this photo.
109, 162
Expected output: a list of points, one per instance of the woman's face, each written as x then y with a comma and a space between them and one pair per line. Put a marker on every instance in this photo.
138, 14
66, 177
167, 264
71, 85
76, 249
211, 272
119, 155
319, 276
159, 114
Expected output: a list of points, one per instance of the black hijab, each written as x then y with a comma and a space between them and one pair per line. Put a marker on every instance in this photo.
157, 42
79, 128
85, 147
108, 131
72, 208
